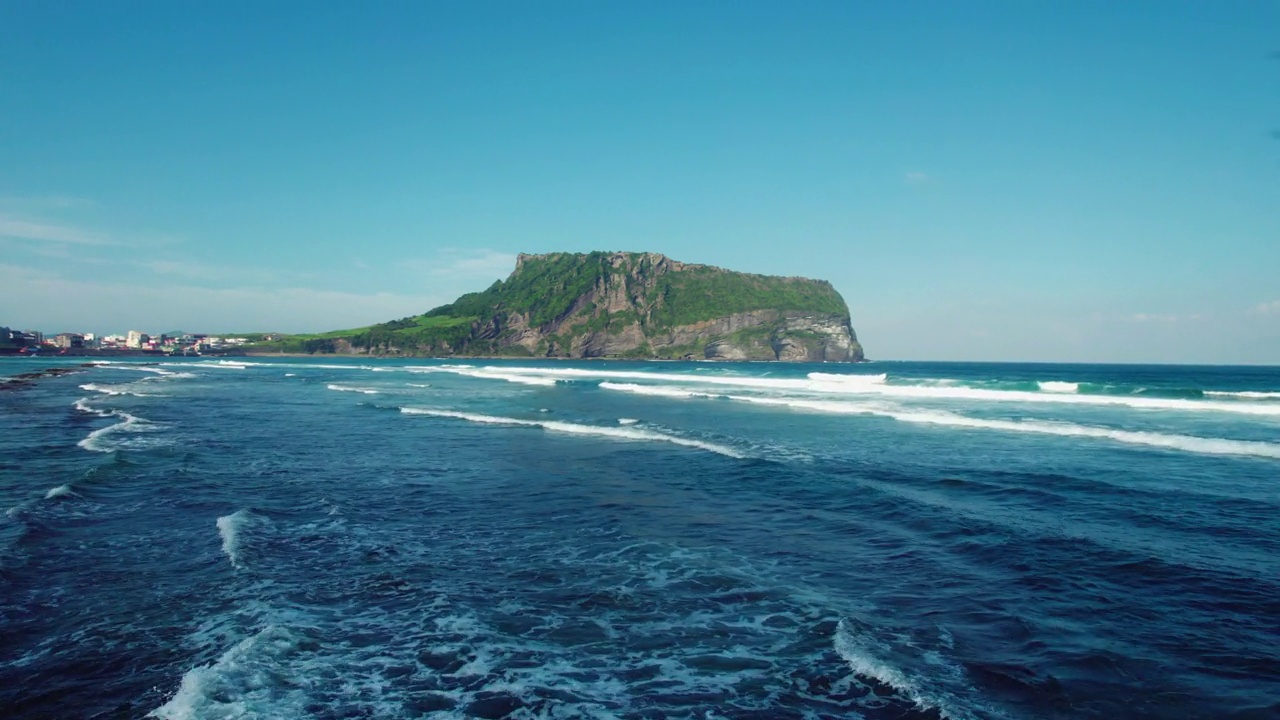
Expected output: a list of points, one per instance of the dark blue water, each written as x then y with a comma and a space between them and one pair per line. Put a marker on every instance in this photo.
403, 539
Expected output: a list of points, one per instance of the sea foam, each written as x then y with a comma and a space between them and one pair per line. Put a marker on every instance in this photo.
96, 440
1187, 443
838, 384
488, 374
864, 662
83, 406
1248, 394
619, 433
348, 388
115, 390
240, 682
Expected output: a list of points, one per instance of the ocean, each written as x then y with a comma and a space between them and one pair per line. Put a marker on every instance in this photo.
359, 538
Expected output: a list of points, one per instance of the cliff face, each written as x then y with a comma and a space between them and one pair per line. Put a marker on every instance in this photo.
625, 305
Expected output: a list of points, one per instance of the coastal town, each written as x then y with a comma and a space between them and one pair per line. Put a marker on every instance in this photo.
133, 342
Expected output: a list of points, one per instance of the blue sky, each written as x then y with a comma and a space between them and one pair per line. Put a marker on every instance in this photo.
1080, 181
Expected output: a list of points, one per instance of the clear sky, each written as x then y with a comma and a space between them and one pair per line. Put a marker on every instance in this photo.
1074, 181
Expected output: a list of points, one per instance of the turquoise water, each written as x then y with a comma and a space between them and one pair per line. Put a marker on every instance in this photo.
386, 539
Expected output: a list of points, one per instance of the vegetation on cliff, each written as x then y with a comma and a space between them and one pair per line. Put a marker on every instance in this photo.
593, 304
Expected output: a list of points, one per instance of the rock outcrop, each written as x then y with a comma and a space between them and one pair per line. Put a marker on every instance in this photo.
623, 305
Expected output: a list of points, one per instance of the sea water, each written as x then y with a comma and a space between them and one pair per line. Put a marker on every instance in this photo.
353, 538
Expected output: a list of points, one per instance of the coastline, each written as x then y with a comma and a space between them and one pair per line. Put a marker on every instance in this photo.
528, 358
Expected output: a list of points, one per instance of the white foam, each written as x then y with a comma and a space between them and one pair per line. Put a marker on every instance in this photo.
131, 366
618, 433
655, 390
238, 683
346, 388
864, 662
60, 491
83, 406
420, 385
178, 375
129, 423
228, 364
846, 379
627, 421
115, 390
290, 374
853, 384
1056, 386
1187, 443
229, 528
1061, 396
489, 374
1248, 394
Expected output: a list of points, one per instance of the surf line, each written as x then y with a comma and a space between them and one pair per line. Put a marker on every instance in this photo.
619, 433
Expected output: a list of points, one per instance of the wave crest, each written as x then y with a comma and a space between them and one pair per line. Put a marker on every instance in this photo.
618, 433
229, 529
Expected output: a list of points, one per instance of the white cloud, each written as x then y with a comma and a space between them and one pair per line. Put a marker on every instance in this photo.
58, 304
916, 177
13, 227
454, 262
1267, 308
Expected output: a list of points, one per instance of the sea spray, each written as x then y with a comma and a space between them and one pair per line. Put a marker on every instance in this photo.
230, 528
60, 491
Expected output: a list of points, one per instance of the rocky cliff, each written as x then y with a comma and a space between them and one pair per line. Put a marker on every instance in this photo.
621, 305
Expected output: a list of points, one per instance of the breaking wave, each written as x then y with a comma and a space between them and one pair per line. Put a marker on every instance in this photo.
1188, 443
863, 662
820, 384
619, 433
60, 491
518, 376
83, 406
347, 388
96, 441
115, 390
229, 529
1247, 394
236, 681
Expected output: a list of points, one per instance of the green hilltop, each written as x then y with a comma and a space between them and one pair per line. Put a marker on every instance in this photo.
605, 304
